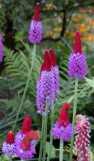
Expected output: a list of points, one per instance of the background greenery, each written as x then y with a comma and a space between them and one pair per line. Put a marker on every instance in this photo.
60, 20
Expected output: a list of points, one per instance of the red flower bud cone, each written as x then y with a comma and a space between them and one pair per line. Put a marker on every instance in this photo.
37, 13
27, 139
10, 138
47, 62
64, 114
77, 44
53, 58
26, 125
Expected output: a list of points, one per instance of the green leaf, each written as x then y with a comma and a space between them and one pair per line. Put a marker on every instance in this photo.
90, 81
53, 152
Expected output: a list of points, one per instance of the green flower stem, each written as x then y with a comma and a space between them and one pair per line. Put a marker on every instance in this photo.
10, 158
61, 150
41, 141
51, 137
26, 87
45, 130
74, 113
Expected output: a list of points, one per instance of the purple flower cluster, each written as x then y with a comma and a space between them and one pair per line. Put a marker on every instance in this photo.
36, 27
63, 132
46, 91
77, 60
23, 153
1, 48
8, 149
8, 146
47, 84
24, 143
77, 65
62, 128
35, 32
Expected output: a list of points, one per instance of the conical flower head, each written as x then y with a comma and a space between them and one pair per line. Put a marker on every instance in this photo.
77, 45
77, 60
8, 146
62, 128
26, 127
10, 137
45, 85
55, 71
64, 114
27, 139
36, 27
82, 143
25, 147
37, 13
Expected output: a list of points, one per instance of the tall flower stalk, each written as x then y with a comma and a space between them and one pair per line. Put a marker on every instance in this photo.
55, 71
45, 131
52, 123
61, 150
35, 38
74, 113
77, 70
45, 96
41, 141
63, 129
26, 87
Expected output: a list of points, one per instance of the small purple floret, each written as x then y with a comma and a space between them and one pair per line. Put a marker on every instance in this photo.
35, 32
62, 132
77, 65
22, 153
8, 149
1, 48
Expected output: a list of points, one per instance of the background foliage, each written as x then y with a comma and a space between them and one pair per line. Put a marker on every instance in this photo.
60, 20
